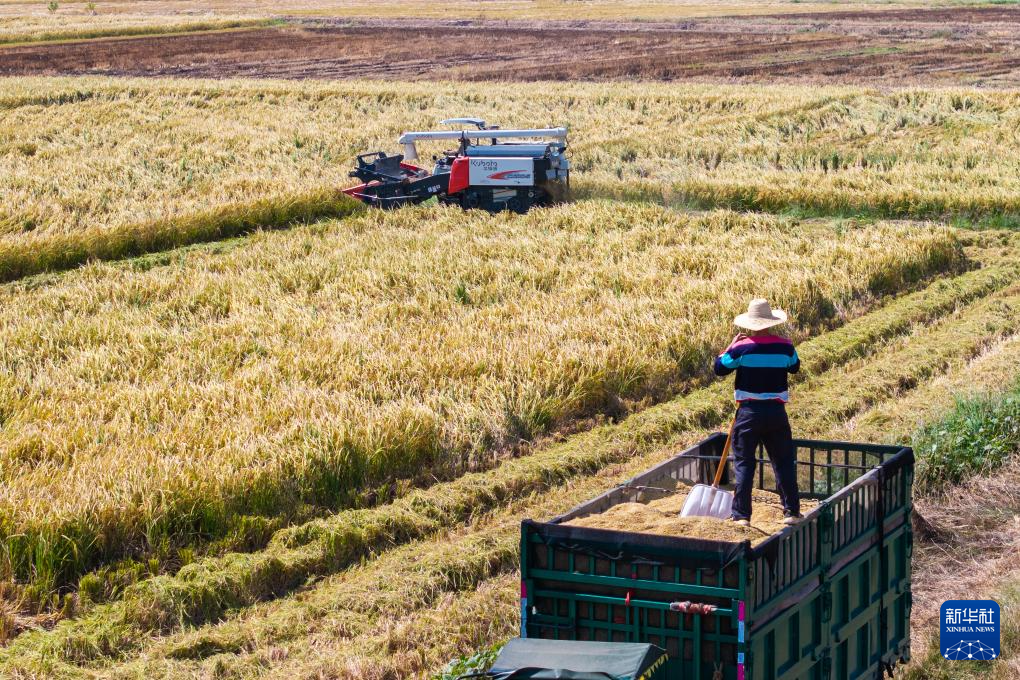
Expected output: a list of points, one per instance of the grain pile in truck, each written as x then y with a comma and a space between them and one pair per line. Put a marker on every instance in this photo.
826, 598
657, 511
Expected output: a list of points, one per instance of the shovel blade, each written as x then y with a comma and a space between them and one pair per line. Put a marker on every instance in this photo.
708, 501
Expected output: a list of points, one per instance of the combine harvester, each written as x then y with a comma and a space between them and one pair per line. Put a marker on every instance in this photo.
482, 172
826, 599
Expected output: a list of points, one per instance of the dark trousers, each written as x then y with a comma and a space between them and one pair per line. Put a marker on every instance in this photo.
763, 422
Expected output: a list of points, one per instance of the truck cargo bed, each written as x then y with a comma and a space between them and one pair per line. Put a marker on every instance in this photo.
827, 598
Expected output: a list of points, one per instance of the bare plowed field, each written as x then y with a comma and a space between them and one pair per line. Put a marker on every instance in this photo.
952, 46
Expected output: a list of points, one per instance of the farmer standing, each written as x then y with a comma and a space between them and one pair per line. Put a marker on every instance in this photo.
762, 361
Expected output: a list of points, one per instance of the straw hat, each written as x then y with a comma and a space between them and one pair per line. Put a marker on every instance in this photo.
760, 316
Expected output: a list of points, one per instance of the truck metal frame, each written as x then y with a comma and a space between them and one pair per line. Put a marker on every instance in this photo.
828, 598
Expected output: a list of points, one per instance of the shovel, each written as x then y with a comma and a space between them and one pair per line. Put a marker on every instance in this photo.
711, 501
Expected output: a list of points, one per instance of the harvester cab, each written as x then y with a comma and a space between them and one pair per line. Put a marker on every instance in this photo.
485, 171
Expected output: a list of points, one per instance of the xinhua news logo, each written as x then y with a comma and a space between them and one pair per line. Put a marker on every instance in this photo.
970, 630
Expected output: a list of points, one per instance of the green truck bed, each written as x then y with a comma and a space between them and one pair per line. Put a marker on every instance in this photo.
827, 598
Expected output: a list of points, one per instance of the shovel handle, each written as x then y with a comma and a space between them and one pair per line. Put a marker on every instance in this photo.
725, 454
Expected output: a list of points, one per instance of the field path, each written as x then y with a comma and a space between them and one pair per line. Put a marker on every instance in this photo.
949, 46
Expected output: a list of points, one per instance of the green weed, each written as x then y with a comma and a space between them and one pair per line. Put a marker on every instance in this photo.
979, 435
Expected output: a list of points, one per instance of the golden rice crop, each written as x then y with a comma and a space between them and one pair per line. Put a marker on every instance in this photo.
663, 10
21, 21
176, 398
82, 25
930, 352
114, 631
294, 628
993, 371
85, 163
302, 650
204, 590
350, 605
307, 367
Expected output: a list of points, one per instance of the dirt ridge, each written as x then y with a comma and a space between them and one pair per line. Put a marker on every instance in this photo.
960, 46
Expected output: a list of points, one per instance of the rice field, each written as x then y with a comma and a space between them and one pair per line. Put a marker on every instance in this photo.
640, 10
100, 169
81, 19
234, 449
84, 25
208, 590
350, 622
308, 370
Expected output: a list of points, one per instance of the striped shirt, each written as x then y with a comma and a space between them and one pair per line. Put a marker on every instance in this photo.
763, 364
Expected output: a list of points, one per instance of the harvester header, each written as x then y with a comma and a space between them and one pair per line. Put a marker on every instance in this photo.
408, 139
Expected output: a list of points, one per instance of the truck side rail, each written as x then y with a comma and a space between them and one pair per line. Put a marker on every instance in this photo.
843, 526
